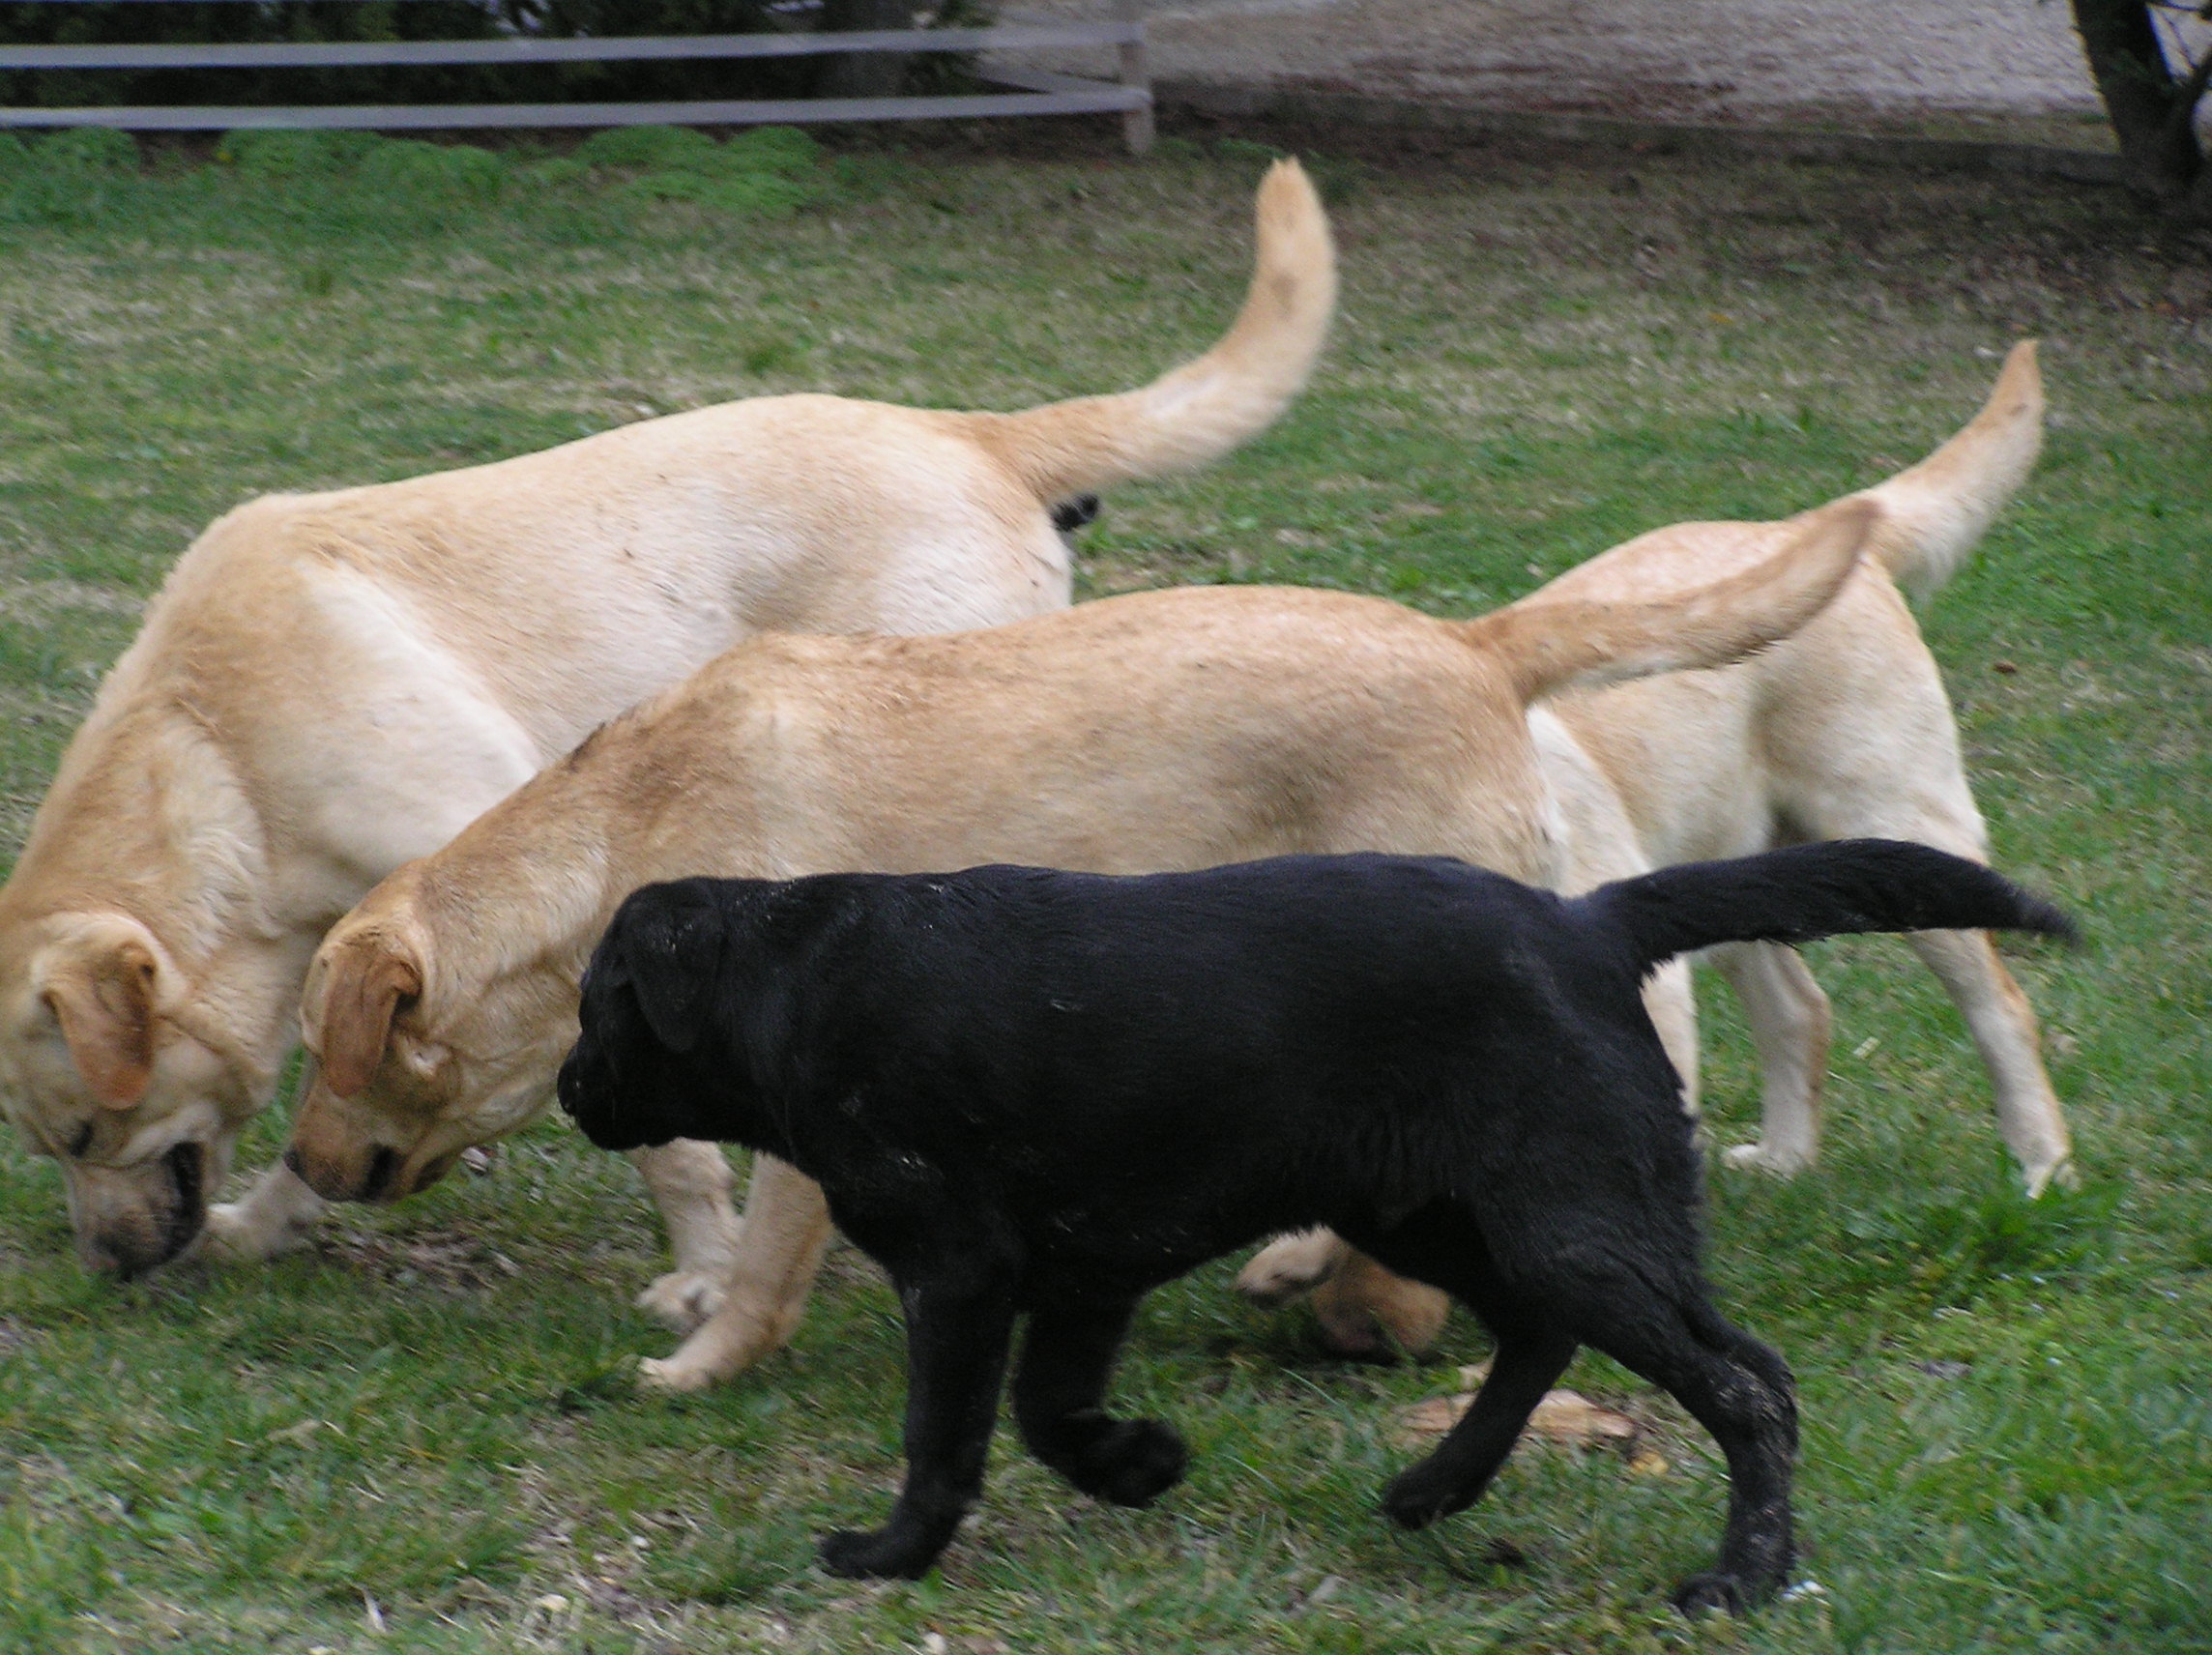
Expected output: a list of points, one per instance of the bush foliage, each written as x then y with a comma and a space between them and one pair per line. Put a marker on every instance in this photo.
335, 181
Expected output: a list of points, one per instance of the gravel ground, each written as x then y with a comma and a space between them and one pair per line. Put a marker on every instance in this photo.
1886, 62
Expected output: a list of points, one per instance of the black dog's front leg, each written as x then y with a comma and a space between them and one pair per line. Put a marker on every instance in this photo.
957, 1338
1059, 1392
1453, 1477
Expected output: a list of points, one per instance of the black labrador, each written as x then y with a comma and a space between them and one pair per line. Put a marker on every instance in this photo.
1027, 1091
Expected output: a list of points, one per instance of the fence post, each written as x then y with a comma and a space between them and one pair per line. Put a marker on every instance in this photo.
1136, 124
863, 74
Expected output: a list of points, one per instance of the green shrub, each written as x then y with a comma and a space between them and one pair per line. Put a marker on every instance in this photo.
769, 150
766, 173
645, 146
556, 171
290, 156
70, 177
772, 149
88, 149
867, 177
404, 167
1244, 149
738, 194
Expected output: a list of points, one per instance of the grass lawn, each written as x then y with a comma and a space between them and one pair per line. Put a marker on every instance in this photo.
419, 1435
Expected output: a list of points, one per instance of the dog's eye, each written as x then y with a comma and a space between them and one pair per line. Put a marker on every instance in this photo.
81, 1143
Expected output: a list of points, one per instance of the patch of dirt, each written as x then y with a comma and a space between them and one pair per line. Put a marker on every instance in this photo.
443, 1258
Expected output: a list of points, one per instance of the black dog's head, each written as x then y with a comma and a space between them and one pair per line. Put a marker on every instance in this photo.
648, 1000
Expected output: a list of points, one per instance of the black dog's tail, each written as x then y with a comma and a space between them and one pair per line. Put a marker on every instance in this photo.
1809, 891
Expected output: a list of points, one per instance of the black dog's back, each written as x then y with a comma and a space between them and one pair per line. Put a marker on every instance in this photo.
1030, 1090
1150, 1071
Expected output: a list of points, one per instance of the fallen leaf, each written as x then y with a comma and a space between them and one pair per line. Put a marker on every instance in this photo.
1562, 1416
1436, 1416
1567, 1416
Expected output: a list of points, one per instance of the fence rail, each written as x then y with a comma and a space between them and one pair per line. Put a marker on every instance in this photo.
1037, 93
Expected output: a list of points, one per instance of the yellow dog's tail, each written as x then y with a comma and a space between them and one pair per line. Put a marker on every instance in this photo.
1934, 511
1205, 408
1555, 640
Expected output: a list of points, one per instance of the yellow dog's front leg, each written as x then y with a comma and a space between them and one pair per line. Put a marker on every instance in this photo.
779, 1249
274, 1216
691, 1183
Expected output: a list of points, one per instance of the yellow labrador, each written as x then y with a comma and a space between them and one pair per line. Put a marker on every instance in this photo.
1842, 731
330, 684
1167, 730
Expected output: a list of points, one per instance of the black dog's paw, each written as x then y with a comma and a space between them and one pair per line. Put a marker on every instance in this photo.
1133, 1463
1417, 1497
876, 1555
1714, 1592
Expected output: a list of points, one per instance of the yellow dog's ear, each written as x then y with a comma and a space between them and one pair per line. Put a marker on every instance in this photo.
353, 993
103, 982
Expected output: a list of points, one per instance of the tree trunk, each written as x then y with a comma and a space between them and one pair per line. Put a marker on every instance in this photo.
865, 74
2153, 113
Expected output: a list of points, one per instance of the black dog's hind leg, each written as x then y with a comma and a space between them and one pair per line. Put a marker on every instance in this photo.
1742, 1392
957, 1335
1645, 1304
1060, 1393
1441, 1246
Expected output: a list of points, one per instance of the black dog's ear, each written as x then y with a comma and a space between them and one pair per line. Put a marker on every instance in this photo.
671, 941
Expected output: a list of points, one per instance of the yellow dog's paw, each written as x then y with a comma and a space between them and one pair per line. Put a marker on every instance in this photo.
1760, 1158
1290, 1267
673, 1375
234, 1235
683, 1298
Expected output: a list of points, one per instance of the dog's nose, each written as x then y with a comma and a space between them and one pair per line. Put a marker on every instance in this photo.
328, 1175
100, 1256
161, 1214
128, 1252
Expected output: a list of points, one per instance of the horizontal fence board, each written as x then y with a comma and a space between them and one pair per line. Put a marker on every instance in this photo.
392, 117
1037, 93
1032, 79
352, 54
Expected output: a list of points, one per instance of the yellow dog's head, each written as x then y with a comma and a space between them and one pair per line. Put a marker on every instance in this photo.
115, 1063
427, 1039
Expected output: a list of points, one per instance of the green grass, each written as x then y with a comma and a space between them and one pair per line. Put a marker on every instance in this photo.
2008, 1442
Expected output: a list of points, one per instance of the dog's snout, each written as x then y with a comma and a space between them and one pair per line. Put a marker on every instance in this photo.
345, 1175
160, 1218
383, 1168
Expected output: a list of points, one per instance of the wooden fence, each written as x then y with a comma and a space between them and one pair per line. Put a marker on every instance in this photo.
1030, 93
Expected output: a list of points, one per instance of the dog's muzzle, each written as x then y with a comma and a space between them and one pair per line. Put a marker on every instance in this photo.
169, 1221
381, 1179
